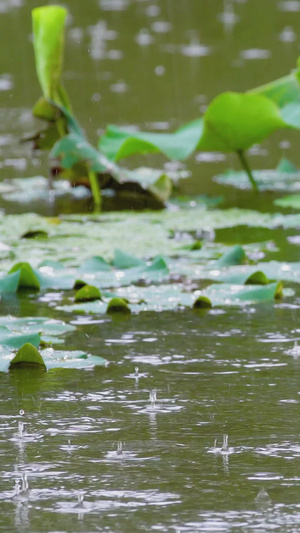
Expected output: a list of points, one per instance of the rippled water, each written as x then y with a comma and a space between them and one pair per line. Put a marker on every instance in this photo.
225, 373
137, 446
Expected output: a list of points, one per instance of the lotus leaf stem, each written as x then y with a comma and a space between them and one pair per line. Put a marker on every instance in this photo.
95, 190
245, 165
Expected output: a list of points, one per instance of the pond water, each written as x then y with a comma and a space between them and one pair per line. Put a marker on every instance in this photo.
137, 445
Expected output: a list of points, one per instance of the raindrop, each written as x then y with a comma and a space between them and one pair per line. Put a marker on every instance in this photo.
159, 70
287, 35
143, 38
228, 18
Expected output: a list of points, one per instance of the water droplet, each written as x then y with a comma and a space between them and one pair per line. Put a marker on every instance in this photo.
25, 485
80, 498
120, 447
16, 488
225, 446
21, 412
152, 397
21, 426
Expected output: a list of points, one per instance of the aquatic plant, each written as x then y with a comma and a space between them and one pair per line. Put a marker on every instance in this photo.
233, 122
63, 136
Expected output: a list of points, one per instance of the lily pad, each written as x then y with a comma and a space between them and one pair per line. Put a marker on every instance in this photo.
71, 359
13, 340
227, 294
123, 260
259, 273
28, 278
234, 256
285, 177
49, 358
33, 325
10, 283
291, 201
36, 189
94, 264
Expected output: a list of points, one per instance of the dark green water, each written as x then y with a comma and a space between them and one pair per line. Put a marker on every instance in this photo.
227, 372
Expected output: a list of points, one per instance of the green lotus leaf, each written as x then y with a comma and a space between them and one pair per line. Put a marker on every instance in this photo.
87, 293
290, 201
234, 256
122, 260
202, 302
10, 283
28, 276
118, 305
48, 40
94, 264
27, 355
235, 121
118, 143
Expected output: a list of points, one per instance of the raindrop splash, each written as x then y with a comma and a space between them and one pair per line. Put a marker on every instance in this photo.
120, 447
25, 485
263, 497
225, 447
152, 398
21, 426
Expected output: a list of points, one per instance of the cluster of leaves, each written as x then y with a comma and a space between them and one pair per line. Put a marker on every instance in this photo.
189, 274
125, 275
233, 122
27, 335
